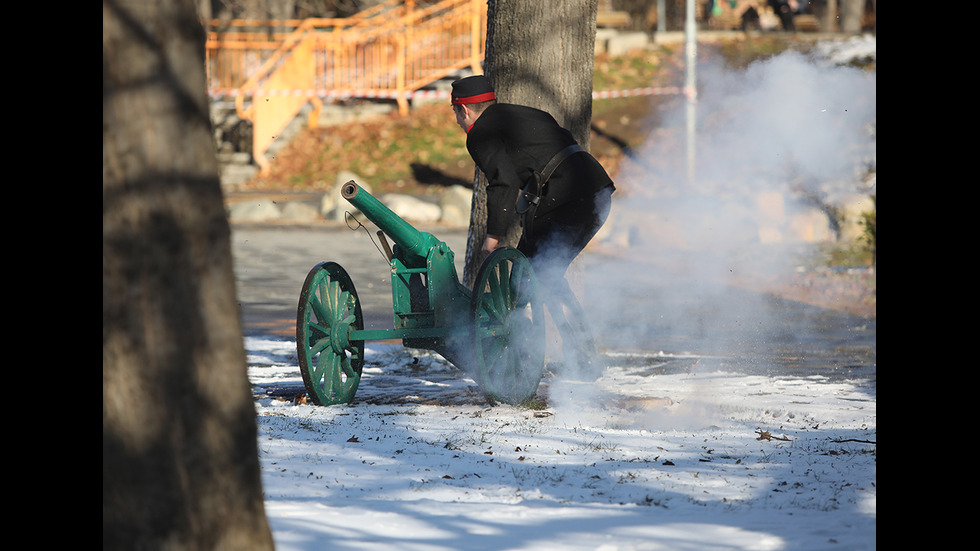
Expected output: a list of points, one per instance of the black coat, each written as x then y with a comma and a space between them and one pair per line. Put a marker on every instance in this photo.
508, 143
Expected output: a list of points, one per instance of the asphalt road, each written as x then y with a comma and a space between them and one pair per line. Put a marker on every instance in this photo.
640, 309
272, 262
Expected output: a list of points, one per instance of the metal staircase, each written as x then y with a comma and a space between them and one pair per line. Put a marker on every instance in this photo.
274, 69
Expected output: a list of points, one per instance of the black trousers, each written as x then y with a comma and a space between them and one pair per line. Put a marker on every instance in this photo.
557, 237
555, 240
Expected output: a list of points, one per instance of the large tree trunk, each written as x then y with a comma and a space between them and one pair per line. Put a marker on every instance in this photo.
180, 463
539, 54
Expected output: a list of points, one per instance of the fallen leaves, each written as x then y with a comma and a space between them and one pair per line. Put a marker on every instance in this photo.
766, 435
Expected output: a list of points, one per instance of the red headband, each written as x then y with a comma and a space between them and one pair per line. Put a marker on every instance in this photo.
479, 98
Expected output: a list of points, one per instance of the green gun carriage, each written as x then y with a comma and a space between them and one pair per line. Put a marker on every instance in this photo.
494, 332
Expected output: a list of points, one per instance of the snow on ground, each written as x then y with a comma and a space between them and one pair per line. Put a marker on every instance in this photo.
842, 52
662, 453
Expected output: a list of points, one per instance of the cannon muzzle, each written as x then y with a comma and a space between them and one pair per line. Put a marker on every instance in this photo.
401, 232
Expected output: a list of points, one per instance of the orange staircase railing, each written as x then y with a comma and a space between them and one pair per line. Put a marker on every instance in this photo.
272, 69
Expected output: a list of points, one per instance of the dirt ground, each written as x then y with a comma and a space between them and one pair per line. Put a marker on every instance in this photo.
424, 150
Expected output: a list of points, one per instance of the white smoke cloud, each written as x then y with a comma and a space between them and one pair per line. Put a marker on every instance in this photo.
771, 139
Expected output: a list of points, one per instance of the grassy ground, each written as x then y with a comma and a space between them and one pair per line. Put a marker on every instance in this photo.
413, 153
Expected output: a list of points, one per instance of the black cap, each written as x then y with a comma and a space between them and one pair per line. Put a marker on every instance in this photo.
474, 89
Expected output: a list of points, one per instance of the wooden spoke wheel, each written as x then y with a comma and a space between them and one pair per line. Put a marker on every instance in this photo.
508, 326
328, 360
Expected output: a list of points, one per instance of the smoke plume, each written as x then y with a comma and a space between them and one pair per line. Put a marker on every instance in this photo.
778, 145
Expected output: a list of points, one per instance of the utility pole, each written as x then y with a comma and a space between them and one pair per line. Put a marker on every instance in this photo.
690, 84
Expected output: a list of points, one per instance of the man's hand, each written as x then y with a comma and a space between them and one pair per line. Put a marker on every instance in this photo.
490, 244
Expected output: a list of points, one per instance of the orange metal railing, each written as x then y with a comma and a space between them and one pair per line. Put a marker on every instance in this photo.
273, 68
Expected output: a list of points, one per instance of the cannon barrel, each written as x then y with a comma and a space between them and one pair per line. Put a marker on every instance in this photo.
401, 232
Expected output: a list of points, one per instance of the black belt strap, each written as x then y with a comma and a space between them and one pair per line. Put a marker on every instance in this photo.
531, 194
556, 160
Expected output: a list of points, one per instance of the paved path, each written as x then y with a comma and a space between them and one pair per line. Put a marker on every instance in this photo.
271, 264
634, 305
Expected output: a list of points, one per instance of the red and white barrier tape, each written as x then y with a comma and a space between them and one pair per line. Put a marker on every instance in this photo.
665, 91
423, 94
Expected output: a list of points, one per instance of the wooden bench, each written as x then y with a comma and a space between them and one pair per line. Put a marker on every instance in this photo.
608, 19
806, 23
727, 17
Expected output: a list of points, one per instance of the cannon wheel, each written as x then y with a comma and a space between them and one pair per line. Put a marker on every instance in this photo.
508, 323
328, 310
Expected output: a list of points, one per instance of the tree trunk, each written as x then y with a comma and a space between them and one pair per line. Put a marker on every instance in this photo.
539, 54
180, 463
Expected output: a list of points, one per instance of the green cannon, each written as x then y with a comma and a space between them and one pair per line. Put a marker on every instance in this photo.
494, 332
